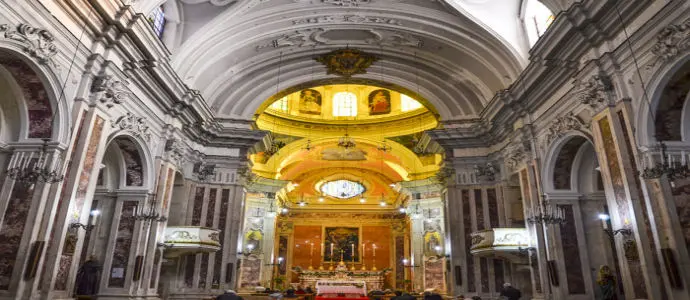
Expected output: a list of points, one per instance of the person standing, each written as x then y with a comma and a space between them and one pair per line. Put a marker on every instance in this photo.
510, 292
607, 284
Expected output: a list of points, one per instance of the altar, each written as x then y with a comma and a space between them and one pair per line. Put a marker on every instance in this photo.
342, 281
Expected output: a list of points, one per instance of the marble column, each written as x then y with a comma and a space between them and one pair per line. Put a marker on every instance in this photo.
20, 224
670, 235
455, 241
531, 201
635, 245
59, 266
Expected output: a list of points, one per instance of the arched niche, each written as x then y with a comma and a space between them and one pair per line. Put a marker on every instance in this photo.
665, 115
42, 112
570, 164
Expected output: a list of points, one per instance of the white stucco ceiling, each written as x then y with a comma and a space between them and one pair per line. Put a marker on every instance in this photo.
455, 53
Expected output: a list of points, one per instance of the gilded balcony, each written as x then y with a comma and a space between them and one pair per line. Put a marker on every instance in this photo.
501, 243
183, 240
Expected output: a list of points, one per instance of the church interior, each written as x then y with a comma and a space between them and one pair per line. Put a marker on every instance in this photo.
344, 149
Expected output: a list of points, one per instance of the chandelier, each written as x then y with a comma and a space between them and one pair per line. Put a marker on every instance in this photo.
34, 169
546, 214
150, 213
384, 146
346, 142
673, 169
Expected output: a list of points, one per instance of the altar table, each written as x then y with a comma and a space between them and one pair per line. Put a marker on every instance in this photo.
350, 287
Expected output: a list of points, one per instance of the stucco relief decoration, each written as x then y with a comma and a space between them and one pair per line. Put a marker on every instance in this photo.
135, 124
672, 40
476, 239
214, 2
515, 157
176, 150
37, 42
113, 91
560, 126
357, 19
337, 36
347, 62
346, 3
594, 92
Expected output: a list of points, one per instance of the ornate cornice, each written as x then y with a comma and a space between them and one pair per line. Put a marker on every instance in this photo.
37, 42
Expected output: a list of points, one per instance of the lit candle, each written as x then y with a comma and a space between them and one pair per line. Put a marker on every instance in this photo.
363, 249
374, 245
311, 250
331, 250
321, 253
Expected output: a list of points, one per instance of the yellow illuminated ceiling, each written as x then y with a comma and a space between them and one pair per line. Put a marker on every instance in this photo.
304, 137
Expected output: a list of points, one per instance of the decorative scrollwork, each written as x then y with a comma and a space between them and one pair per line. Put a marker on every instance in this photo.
347, 62
37, 42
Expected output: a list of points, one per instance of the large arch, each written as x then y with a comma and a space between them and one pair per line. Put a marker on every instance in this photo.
648, 109
235, 59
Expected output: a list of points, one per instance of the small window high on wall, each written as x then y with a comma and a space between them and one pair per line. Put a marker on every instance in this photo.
408, 104
538, 18
157, 19
281, 105
344, 104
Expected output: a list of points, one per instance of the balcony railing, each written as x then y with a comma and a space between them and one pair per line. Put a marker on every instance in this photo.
505, 243
183, 240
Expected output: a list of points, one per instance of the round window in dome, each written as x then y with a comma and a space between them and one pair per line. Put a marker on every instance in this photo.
342, 189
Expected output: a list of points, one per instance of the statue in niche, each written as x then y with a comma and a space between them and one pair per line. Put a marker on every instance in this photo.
86, 283
310, 102
379, 102
607, 283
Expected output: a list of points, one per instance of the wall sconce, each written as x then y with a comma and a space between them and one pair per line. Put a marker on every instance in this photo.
76, 226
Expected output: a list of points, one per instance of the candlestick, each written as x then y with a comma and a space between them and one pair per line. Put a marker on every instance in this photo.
363, 251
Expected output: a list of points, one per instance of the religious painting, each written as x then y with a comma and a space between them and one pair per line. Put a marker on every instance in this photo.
432, 243
379, 102
310, 102
341, 243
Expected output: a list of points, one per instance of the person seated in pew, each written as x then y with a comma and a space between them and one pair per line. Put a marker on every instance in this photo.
290, 293
300, 291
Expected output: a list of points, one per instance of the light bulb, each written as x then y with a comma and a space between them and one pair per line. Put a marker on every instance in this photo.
302, 203
321, 199
383, 203
402, 210
284, 210
95, 212
604, 217
362, 200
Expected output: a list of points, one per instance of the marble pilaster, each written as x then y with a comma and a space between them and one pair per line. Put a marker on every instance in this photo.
636, 251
